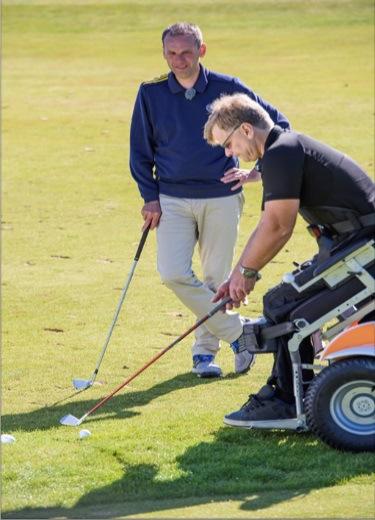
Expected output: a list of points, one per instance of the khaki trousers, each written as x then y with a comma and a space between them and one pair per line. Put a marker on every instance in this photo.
213, 225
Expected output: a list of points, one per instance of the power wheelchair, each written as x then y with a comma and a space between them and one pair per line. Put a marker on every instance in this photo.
339, 403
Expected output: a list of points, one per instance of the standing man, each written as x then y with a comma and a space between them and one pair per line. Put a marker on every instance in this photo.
178, 176
299, 174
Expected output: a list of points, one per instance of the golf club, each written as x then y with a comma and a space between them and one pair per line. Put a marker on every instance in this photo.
83, 384
70, 420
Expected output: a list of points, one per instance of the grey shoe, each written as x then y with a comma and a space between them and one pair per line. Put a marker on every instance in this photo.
203, 366
243, 361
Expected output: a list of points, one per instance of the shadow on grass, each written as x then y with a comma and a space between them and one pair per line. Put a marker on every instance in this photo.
257, 469
119, 407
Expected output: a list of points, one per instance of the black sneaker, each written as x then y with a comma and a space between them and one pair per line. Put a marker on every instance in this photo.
262, 410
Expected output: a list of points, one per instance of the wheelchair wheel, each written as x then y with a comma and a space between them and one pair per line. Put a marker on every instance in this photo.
340, 404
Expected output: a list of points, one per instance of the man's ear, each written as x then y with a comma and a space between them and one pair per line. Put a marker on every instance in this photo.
202, 50
248, 129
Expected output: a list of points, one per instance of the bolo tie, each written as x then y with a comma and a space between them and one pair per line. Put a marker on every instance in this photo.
190, 93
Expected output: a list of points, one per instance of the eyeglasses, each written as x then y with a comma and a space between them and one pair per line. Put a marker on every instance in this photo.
226, 143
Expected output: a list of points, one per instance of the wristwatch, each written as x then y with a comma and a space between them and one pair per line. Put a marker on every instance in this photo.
248, 272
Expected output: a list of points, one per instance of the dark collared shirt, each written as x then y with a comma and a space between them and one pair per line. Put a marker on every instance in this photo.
328, 183
167, 151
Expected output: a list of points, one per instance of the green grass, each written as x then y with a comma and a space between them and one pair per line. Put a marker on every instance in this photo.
71, 225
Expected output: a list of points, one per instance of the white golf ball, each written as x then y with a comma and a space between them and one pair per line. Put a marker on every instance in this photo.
84, 433
7, 439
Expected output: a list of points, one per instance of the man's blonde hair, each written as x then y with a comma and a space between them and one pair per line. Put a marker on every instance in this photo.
228, 112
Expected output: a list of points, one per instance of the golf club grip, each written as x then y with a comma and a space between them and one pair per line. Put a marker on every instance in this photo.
218, 307
141, 244
160, 354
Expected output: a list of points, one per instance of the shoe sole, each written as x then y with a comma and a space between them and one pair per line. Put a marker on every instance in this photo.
285, 424
207, 375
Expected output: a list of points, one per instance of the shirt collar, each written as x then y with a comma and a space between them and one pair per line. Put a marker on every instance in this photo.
200, 85
272, 136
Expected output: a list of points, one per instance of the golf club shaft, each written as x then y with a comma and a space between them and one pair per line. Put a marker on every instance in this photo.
159, 355
122, 298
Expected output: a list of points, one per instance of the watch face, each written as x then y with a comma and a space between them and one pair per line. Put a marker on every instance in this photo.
247, 272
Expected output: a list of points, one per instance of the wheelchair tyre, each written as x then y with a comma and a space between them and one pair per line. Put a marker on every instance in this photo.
340, 404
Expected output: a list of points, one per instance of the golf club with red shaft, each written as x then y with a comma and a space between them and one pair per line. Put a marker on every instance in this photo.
83, 384
70, 420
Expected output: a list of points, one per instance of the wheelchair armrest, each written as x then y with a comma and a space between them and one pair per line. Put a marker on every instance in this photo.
339, 256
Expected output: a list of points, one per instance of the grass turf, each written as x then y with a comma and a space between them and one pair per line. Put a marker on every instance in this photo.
70, 230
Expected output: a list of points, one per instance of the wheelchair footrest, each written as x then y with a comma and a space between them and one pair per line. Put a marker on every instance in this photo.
275, 331
266, 337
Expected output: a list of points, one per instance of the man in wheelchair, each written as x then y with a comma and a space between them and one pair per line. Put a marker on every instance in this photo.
336, 198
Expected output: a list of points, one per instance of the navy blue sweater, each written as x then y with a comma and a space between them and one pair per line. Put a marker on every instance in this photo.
168, 154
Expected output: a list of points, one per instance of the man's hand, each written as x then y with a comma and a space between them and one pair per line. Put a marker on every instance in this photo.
241, 176
222, 292
237, 287
151, 213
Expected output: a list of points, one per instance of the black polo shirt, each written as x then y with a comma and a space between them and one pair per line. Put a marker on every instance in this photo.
296, 166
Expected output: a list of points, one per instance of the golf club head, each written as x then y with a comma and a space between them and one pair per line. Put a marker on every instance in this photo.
70, 420
81, 384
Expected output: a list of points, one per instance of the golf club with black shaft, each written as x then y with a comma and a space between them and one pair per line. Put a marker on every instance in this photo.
83, 384
70, 420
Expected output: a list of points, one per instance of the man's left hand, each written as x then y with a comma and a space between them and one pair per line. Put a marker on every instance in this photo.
241, 176
237, 287
240, 287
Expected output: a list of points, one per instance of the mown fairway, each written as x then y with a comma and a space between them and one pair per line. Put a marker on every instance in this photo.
71, 225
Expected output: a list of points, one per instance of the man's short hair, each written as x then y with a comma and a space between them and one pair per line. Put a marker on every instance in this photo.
184, 29
227, 112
